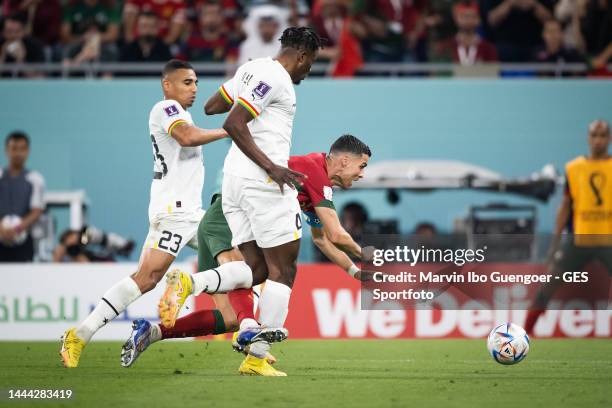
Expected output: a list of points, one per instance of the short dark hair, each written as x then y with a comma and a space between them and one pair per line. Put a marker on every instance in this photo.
174, 65
350, 144
301, 38
17, 135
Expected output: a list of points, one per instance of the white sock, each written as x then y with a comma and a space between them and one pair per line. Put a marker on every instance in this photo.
248, 323
113, 303
259, 349
155, 333
274, 304
229, 276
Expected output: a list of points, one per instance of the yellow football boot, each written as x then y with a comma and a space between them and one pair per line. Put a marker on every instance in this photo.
72, 346
259, 366
178, 287
245, 350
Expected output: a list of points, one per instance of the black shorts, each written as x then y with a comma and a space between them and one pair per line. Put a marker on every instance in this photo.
18, 253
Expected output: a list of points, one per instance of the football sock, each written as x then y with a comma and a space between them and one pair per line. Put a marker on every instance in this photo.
229, 276
198, 323
156, 334
274, 304
242, 303
113, 303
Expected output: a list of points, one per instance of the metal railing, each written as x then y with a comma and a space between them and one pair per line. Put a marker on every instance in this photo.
100, 69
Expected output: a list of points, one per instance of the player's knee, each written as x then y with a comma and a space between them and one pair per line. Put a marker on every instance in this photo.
147, 279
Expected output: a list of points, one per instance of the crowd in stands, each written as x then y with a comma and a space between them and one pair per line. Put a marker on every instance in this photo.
465, 32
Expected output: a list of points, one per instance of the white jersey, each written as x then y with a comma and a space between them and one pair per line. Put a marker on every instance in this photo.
264, 87
178, 172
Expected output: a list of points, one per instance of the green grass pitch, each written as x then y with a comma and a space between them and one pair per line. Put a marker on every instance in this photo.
334, 373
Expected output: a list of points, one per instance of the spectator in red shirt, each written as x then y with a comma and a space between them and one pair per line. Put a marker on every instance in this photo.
171, 13
209, 40
467, 47
329, 21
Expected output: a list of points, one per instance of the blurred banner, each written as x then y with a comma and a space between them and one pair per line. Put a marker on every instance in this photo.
40, 301
326, 303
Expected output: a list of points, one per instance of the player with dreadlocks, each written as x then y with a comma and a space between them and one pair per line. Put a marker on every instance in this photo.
263, 214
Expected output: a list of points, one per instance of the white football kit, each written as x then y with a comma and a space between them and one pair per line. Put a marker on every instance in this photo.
175, 208
253, 205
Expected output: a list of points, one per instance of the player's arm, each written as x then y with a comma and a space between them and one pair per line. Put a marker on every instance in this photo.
336, 234
189, 135
238, 131
220, 102
332, 253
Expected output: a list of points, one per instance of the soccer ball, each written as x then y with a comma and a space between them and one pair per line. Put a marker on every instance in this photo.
508, 343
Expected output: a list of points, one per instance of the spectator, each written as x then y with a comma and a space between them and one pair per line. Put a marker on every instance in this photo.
209, 40
554, 50
467, 47
389, 28
171, 13
596, 30
90, 30
22, 201
329, 22
353, 218
147, 47
16, 47
568, 13
43, 19
264, 43
516, 26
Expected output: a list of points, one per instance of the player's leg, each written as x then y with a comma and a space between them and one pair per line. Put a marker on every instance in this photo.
223, 269
165, 240
568, 258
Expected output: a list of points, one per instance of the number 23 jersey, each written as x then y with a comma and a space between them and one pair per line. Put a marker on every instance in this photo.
178, 172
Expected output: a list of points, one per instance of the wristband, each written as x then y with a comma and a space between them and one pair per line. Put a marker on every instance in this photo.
353, 270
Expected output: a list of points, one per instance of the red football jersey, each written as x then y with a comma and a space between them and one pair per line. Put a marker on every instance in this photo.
317, 189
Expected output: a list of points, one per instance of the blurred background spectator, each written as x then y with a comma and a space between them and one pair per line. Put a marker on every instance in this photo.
270, 21
171, 13
90, 30
596, 30
467, 47
516, 26
392, 30
554, 50
17, 47
210, 39
42, 19
147, 47
22, 201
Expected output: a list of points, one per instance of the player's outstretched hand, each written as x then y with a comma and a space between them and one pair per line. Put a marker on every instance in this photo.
282, 175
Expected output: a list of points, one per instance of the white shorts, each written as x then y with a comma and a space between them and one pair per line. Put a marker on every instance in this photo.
256, 210
170, 233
